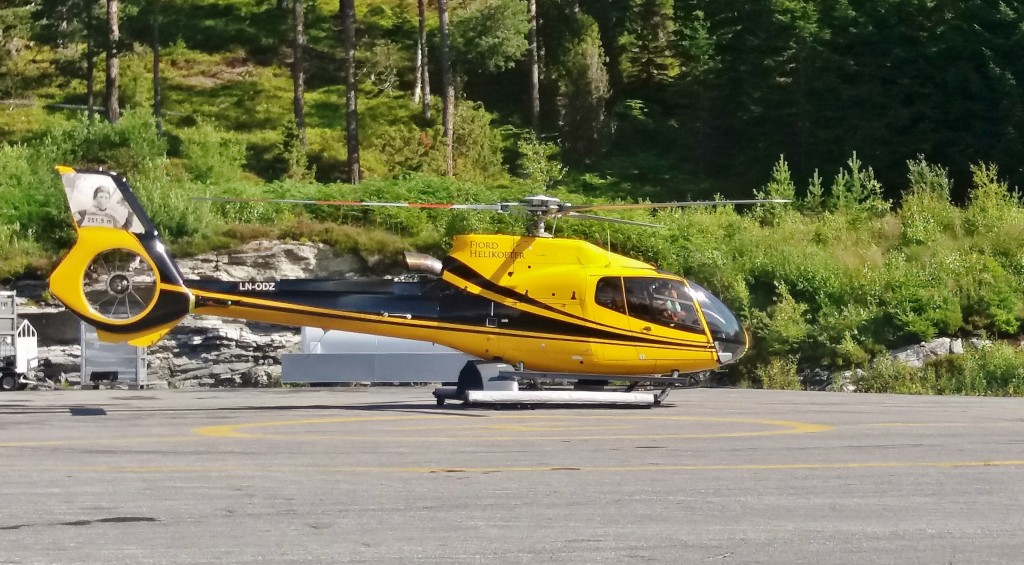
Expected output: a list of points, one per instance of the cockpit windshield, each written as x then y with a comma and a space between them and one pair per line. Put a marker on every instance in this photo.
723, 324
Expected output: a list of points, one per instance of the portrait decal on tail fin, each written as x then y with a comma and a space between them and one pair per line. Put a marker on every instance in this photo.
96, 201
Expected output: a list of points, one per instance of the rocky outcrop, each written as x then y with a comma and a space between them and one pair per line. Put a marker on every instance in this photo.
275, 260
917, 355
214, 352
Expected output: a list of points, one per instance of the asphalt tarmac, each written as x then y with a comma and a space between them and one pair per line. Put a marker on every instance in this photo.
381, 475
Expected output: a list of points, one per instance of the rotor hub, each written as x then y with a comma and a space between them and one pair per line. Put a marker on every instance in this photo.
119, 284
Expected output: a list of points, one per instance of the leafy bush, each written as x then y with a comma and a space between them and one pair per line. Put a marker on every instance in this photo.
370, 244
211, 155
993, 369
17, 254
885, 374
992, 207
478, 145
782, 329
918, 301
398, 149
779, 374
490, 36
169, 198
34, 206
990, 298
129, 147
927, 213
536, 161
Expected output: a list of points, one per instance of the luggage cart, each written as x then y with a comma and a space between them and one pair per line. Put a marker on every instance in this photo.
19, 347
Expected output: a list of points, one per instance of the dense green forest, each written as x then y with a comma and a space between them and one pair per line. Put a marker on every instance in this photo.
897, 126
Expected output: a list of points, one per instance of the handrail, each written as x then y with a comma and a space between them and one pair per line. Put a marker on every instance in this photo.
25, 329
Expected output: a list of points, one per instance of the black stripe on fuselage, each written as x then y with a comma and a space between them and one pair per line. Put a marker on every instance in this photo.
437, 301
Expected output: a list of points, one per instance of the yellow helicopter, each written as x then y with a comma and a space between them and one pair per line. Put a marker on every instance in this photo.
540, 303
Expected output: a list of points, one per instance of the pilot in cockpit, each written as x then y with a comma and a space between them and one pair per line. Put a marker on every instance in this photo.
673, 305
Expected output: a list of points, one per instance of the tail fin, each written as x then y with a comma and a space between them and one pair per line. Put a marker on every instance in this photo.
118, 276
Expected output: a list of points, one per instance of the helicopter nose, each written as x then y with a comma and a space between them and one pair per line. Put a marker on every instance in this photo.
730, 351
729, 336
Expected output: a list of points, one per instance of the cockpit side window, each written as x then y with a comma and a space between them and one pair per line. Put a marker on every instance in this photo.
664, 302
608, 294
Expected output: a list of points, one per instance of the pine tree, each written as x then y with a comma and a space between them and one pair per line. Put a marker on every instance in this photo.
585, 91
651, 27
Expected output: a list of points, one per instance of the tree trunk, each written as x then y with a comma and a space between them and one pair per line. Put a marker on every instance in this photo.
423, 78
348, 24
158, 114
448, 115
90, 69
298, 72
534, 70
111, 86
417, 89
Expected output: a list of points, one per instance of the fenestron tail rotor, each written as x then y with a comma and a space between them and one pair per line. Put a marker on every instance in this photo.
539, 207
119, 284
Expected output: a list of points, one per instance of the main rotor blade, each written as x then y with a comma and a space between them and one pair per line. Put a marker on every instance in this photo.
674, 204
610, 220
493, 207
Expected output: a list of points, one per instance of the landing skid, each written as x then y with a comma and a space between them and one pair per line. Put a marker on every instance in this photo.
497, 384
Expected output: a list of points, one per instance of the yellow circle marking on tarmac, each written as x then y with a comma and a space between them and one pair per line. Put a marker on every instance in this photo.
248, 430
469, 432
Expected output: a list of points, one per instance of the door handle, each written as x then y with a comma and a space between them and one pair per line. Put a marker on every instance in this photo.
647, 328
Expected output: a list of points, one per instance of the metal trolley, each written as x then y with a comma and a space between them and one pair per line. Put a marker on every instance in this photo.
19, 349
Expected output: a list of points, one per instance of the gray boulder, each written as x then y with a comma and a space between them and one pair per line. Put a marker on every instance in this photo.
918, 355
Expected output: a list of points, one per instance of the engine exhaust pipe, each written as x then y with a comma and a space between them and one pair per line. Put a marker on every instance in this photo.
422, 263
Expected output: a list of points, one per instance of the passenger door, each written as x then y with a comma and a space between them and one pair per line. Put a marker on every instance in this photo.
607, 307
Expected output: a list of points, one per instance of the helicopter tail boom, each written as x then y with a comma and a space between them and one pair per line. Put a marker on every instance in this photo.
118, 277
